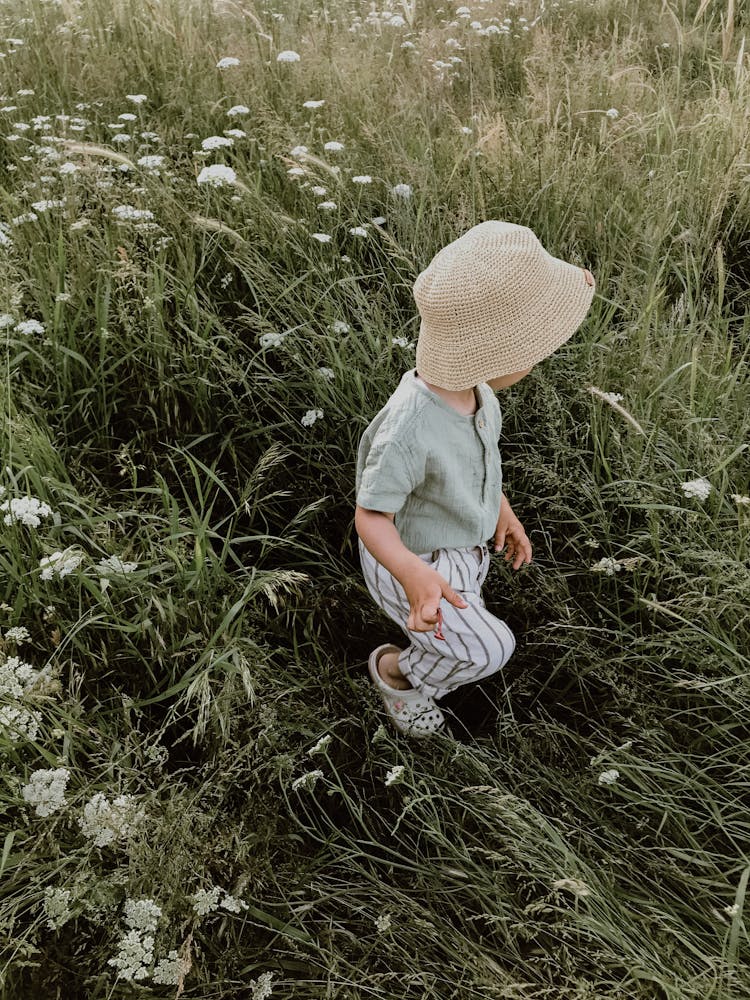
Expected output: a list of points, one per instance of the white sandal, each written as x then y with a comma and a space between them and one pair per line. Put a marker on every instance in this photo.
410, 711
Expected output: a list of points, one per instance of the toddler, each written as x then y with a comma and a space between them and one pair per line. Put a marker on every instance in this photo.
493, 303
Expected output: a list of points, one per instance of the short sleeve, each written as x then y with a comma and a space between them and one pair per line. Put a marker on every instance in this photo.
388, 477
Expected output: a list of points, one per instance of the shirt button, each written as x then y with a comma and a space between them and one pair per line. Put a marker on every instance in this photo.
481, 422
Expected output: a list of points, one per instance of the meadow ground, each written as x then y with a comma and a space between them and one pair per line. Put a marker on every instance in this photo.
212, 217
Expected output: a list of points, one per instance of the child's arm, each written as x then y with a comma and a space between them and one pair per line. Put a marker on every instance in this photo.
423, 585
382, 540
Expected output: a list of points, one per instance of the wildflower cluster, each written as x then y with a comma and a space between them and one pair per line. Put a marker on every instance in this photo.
19, 681
207, 900
105, 822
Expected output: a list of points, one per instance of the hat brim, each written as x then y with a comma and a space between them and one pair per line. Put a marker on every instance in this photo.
559, 311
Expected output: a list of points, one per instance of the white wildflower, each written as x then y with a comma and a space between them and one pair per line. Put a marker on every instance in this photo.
152, 162
333, 146
340, 327
18, 634
142, 914
738, 498
6, 319
62, 563
28, 510
262, 987
733, 910
137, 98
236, 133
320, 745
326, 373
383, 922
17, 723
127, 213
606, 565
272, 339
43, 206
216, 141
169, 971
16, 676
55, 907
233, 904
288, 55
227, 61
400, 341
608, 777
238, 109
135, 954
321, 237
46, 790
358, 231
299, 152
310, 417
612, 113
307, 780
698, 488
112, 565
313, 104
206, 900
362, 179
217, 174
104, 821
28, 326
328, 205
395, 775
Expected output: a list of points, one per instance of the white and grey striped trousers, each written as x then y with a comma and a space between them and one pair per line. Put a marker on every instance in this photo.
476, 643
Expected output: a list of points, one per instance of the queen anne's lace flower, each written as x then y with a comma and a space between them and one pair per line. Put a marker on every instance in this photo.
28, 510
217, 174
310, 417
104, 822
169, 971
307, 780
216, 141
127, 213
18, 723
609, 777
607, 565
113, 565
46, 790
698, 488
62, 563
16, 676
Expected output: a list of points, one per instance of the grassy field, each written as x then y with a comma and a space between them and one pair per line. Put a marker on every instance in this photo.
206, 261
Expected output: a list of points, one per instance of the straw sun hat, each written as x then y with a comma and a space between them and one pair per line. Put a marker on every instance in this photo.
494, 301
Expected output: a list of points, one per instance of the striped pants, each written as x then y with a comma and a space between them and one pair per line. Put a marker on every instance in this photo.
476, 643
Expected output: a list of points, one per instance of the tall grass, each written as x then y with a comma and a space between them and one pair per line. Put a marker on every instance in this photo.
590, 839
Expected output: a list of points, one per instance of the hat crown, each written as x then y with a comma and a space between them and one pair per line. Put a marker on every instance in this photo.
494, 301
495, 268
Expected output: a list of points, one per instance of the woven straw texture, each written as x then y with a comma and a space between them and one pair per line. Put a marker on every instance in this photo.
492, 302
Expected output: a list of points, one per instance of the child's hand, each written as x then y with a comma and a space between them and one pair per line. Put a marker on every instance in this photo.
425, 587
509, 529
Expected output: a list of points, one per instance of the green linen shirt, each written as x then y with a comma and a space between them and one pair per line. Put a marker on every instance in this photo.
437, 470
